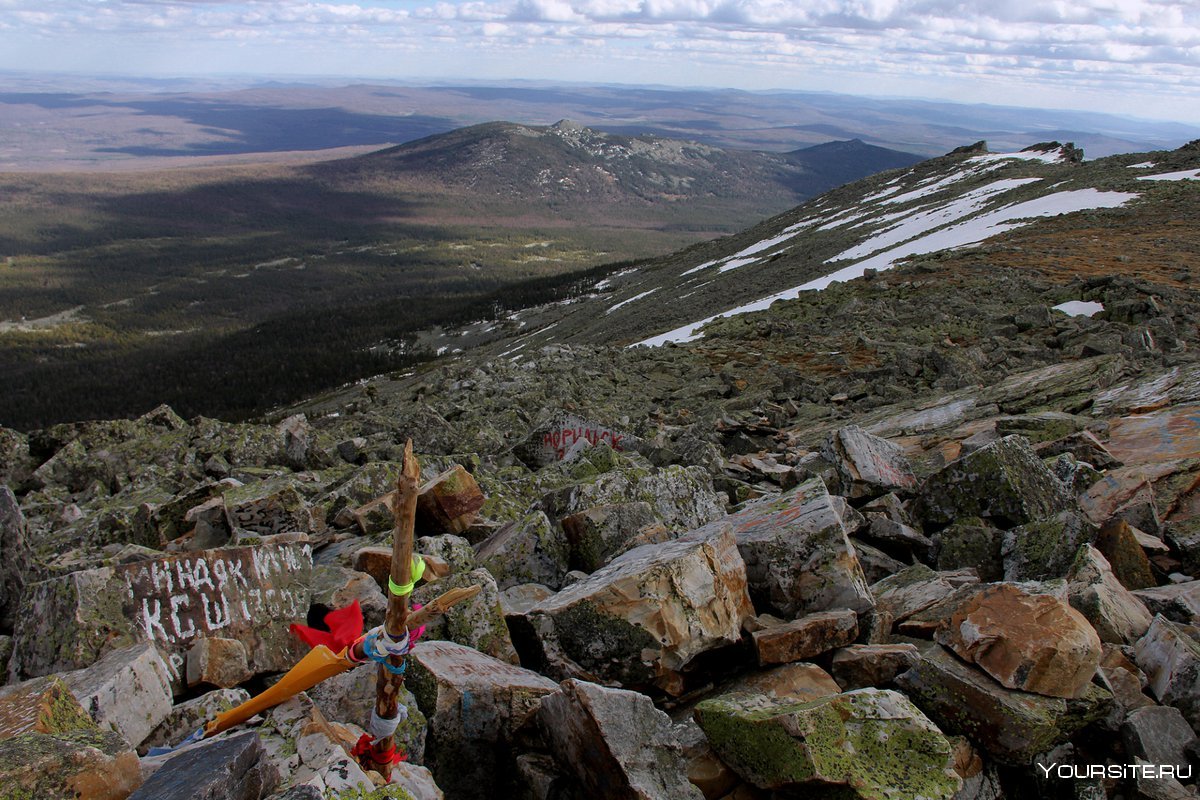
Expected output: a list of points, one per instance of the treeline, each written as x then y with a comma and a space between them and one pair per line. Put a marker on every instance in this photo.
243, 374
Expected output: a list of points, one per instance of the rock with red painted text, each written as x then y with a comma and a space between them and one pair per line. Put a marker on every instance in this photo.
1170, 657
248, 593
643, 618
550, 441
477, 707
615, 743
1032, 642
797, 551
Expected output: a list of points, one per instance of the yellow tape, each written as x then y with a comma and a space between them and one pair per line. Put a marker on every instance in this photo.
418, 569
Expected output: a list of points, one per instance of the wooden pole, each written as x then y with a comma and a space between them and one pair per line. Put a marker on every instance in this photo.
387, 687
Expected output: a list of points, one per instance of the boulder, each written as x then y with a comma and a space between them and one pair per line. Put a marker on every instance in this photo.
216, 661
594, 535
870, 743
128, 691
455, 551
1124, 553
1170, 657
911, 590
476, 705
1046, 548
1032, 642
805, 638
77, 765
1005, 483
335, 586
797, 551
44, 705
1014, 727
799, 682
556, 435
971, 543
478, 622
15, 557
1157, 735
267, 507
449, 502
867, 465
1179, 602
876, 564
645, 616
1084, 446
527, 550
191, 715
249, 593
300, 744
232, 768
861, 666
615, 742
1116, 614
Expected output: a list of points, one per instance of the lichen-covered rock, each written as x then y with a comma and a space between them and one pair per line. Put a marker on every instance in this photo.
798, 682
76, 765
189, 716
615, 742
868, 465
1170, 657
528, 550
909, 591
128, 691
874, 743
645, 616
1032, 642
456, 551
1013, 726
232, 768
971, 543
806, 637
44, 705
15, 557
1004, 482
1045, 549
307, 750
250, 593
1116, 614
797, 551
268, 507
16, 465
1124, 553
477, 622
476, 705
596, 534
1178, 602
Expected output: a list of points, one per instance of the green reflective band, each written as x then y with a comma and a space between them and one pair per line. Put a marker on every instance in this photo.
418, 569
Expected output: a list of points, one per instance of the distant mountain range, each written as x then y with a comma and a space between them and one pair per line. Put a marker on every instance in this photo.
74, 123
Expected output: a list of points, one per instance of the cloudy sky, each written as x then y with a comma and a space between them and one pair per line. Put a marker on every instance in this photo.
1137, 57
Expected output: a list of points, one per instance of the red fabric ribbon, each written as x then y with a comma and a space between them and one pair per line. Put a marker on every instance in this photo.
364, 748
345, 626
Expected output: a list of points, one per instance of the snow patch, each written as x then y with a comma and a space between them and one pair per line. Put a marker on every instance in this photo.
1185, 175
630, 300
735, 263
1143, 165
1079, 308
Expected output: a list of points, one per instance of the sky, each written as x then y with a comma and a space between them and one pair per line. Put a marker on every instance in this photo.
1131, 57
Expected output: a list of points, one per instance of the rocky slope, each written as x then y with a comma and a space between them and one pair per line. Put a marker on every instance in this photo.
917, 534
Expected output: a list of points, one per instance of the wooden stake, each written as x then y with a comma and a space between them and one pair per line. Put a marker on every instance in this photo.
387, 686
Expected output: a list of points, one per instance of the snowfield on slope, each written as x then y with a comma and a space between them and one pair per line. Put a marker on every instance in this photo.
970, 231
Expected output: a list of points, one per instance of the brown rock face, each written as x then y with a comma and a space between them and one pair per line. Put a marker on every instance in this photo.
449, 502
43, 706
806, 637
81, 765
1035, 643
